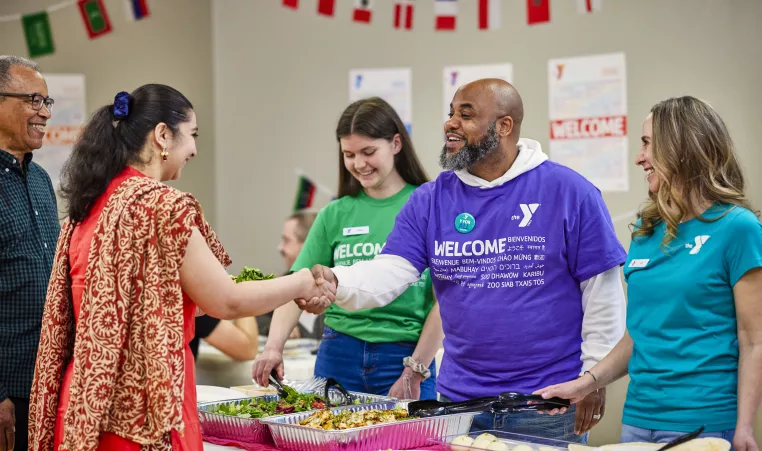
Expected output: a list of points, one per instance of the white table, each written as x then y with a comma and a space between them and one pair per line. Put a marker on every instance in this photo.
215, 368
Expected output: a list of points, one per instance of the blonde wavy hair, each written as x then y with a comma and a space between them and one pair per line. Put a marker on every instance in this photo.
694, 158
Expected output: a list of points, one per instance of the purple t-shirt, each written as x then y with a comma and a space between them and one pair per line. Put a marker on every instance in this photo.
506, 264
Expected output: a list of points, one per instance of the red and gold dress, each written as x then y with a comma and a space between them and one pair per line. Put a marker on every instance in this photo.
114, 370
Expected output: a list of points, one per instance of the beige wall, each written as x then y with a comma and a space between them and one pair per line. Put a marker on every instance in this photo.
172, 47
281, 82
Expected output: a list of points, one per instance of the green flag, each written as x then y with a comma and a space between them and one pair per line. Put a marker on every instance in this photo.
39, 38
95, 17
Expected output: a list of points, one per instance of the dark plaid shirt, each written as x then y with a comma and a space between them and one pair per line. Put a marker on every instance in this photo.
29, 231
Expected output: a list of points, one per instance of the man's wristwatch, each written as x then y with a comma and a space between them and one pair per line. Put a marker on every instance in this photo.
417, 367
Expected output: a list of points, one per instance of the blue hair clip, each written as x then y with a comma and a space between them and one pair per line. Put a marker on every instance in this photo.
121, 107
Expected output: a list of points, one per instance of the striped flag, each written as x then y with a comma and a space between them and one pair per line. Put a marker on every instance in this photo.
137, 9
446, 11
293, 4
326, 7
589, 6
403, 14
305, 193
363, 11
489, 14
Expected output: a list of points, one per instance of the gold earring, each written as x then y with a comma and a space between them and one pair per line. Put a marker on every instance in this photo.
164, 154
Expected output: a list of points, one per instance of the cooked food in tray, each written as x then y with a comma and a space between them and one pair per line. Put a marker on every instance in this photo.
346, 419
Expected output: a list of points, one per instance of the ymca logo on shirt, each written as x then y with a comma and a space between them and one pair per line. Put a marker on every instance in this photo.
698, 242
527, 211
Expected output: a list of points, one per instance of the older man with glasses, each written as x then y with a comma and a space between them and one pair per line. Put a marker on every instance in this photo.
29, 230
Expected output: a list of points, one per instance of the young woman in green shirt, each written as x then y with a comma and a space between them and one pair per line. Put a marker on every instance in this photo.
388, 350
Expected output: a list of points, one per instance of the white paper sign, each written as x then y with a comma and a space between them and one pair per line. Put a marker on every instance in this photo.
393, 85
457, 76
65, 124
588, 118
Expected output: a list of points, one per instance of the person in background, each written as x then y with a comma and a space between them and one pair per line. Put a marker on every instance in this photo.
135, 261
388, 350
295, 230
693, 347
29, 230
239, 339
525, 262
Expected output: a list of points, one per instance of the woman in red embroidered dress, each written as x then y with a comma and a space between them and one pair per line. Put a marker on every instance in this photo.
134, 262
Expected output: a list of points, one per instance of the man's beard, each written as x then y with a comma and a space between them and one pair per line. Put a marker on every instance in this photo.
470, 154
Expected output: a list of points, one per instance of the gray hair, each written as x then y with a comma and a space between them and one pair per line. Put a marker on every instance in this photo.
7, 62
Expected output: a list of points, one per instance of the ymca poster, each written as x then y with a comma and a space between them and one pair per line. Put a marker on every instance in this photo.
393, 85
66, 121
457, 76
588, 118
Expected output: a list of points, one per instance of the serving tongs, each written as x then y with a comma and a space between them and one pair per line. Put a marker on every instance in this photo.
505, 403
431, 408
520, 402
333, 383
276, 383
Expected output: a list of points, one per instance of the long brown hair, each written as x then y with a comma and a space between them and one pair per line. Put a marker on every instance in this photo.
694, 159
374, 118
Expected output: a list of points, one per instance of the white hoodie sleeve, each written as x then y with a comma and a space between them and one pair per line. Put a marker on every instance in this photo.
603, 321
373, 283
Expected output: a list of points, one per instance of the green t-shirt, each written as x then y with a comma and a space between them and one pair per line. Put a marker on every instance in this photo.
352, 229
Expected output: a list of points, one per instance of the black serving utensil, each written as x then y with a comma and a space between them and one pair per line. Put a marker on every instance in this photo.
276, 383
333, 383
682, 439
431, 408
520, 402
521, 398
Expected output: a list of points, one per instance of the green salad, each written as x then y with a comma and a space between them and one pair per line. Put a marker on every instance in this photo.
247, 274
254, 408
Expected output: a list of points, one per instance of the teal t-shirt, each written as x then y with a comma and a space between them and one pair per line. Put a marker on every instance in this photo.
682, 319
353, 229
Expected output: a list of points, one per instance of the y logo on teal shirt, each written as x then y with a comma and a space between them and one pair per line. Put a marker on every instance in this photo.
465, 223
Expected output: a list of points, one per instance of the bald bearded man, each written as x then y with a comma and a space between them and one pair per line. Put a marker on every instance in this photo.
524, 261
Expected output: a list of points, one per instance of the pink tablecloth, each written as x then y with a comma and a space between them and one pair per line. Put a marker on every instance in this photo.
254, 447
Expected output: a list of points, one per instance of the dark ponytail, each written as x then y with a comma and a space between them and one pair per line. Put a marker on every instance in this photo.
115, 138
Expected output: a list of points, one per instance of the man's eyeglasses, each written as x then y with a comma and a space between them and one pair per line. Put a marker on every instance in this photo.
38, 100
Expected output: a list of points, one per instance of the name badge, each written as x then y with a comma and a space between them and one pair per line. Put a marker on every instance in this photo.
350, 231
639, 263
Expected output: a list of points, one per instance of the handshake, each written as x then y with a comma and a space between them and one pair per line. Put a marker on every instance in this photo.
319, 289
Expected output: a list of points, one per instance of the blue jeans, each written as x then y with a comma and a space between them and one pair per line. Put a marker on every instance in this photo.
367, 367
556, 427
635, 434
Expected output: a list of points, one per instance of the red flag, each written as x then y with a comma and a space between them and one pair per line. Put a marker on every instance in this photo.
489, 14
363, 11
293, 4
403, 14
446, 11
538, 11
589, 6
326, 7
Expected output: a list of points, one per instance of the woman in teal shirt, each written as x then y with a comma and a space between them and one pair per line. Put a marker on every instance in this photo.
693, 348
